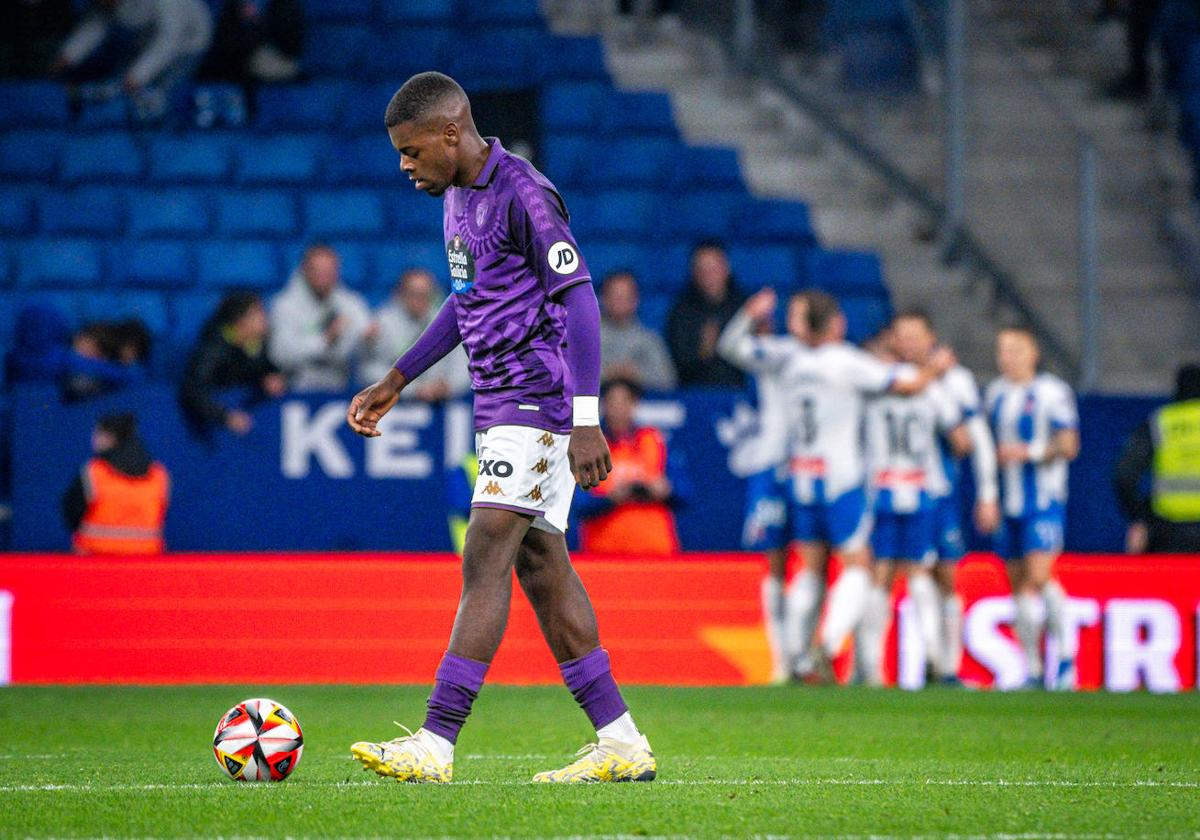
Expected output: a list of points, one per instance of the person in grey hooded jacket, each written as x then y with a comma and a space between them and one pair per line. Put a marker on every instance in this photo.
318, 326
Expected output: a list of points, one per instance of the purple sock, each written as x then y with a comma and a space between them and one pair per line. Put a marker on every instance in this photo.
591, 682
458, 681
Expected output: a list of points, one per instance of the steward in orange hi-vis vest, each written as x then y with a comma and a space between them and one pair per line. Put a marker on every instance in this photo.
630, 512
119, 502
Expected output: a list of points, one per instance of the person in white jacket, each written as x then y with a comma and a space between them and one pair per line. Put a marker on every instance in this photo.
398, 323
317, 325
168, 39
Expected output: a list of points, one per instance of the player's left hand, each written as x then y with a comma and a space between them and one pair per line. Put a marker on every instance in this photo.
1012, 453
588, 453
987, 517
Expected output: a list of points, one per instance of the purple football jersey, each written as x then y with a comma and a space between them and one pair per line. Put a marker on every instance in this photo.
511, 251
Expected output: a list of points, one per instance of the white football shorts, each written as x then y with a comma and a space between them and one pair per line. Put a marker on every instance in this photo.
525, 470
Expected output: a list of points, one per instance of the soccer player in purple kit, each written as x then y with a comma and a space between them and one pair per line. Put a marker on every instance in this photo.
523, 305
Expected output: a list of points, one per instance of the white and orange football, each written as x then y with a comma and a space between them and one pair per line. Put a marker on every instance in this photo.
258, 740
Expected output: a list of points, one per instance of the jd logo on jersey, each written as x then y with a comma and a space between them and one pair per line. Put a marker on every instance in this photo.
500, 469
462, 266
562, 258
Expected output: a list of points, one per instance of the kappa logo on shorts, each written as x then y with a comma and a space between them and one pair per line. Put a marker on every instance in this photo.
535, 494
546, 439
542, 467
500, 469
492, 489
562, 257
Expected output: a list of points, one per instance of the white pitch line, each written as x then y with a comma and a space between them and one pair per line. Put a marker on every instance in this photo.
998, 783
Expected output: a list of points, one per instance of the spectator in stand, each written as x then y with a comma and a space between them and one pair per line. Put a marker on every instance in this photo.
1140, 19
704, 307
32, 37
257, 41
146, 47
630, 349
97, 359
630, 513
398, 323
230, 354
317, 325
118, 502
1167, 447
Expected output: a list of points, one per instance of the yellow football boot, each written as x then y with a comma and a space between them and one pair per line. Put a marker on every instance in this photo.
607, 761
407, 759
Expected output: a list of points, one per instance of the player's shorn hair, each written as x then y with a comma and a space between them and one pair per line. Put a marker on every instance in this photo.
822, 308
419, 96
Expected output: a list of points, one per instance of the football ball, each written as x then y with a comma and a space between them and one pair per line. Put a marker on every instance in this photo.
258, 740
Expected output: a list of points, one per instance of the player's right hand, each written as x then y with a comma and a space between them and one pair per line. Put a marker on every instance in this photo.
761, 304
371, 403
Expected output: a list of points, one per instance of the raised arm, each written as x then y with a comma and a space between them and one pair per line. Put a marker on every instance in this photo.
739, 345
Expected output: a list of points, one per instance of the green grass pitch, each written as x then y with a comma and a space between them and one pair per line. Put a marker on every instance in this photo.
122, 762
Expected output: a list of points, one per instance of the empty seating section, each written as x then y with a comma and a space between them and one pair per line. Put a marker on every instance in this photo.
104, 222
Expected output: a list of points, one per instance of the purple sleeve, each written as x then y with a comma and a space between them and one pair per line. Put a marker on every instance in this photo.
583, 338
439, 338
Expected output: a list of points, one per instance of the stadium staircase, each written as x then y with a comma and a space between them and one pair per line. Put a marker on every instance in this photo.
103, 221
1021, 176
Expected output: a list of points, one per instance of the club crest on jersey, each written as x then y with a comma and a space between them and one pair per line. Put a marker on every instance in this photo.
462, 266
562, 258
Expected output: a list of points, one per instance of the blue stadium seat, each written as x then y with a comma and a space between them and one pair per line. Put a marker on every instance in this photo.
175, 212
45, 263
844, 272
880, 61
315, 105
189, 313
162, 264
337, 50
709, 166
705, 213
341, 213
501, 13
844, 16
776, 220
114, 113
866, 315
573, 106
109, 156
414, 50
412, 215
367, 159
8, 264
567, 159
16, 210
31, 154
30, 104
391, 259
761, 265
199, 158
278, 160
629, 112
354, 257
633, 162
576, 58
606, 256
419, 11
653, 311
628, 213
497, 59
666, 267
364, 109
239, 264
88, 210
324, 11
256, 213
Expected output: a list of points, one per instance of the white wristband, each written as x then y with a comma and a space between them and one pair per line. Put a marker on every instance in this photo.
587, 411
